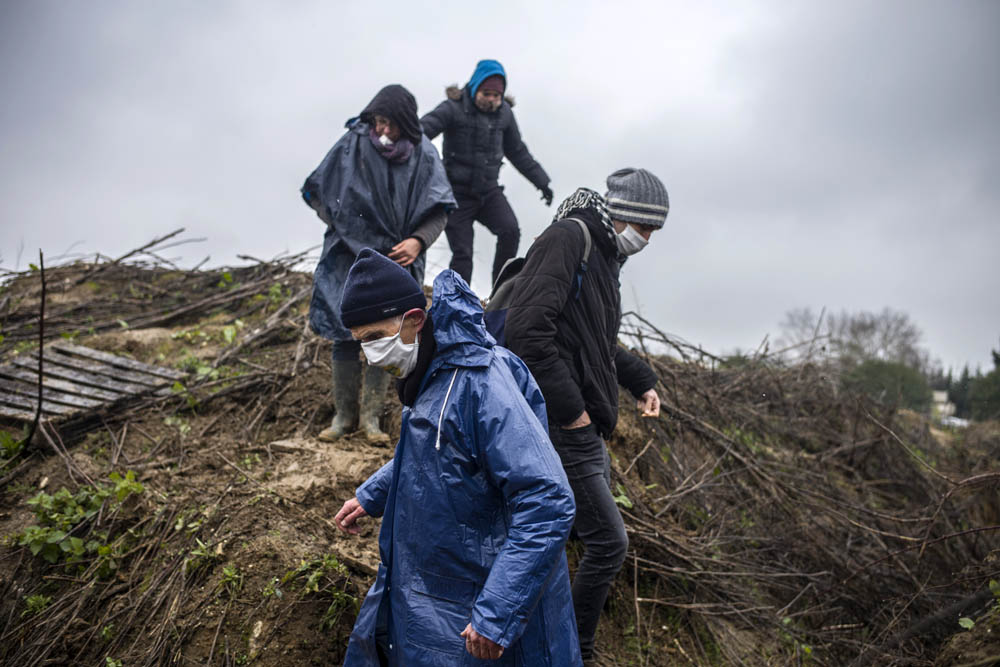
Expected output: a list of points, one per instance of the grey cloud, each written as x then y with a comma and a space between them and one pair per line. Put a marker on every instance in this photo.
838, 154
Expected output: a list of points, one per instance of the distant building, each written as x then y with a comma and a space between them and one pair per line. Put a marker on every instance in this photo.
942, 407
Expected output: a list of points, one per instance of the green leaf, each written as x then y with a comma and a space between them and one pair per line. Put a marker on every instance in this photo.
995, 588
229, 334
123, 324
966, 622
622, 499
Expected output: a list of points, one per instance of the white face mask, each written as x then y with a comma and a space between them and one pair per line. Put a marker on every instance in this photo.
392, 354
630, 241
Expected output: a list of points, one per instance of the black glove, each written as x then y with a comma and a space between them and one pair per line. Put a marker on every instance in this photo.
547, 195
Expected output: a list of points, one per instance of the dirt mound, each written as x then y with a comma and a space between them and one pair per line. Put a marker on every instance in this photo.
773, 518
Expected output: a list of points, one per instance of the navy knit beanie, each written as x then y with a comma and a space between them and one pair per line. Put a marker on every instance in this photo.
377, 288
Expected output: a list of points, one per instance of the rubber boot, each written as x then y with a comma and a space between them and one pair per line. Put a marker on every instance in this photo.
346, 387
372, 403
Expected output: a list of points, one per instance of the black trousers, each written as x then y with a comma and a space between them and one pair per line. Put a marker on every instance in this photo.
598, 525
493, 210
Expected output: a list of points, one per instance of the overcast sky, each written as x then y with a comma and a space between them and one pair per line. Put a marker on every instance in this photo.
827, 154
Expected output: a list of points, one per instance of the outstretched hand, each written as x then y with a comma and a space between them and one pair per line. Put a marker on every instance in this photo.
649, 404
479, 646
347, 517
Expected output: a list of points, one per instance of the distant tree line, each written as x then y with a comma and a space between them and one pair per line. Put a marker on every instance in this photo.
879, 353
976, 396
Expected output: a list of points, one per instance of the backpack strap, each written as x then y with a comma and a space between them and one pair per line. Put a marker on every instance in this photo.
586, 256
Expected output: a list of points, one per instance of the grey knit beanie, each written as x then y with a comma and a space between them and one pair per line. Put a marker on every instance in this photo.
636, 195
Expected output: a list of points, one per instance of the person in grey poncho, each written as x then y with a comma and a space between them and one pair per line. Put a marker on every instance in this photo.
381, 186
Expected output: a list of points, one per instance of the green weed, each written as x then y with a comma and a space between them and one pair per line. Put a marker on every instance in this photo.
60, 514
621, 498
232, 580
35, 604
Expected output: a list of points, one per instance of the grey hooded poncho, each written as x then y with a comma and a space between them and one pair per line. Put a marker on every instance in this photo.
367, 202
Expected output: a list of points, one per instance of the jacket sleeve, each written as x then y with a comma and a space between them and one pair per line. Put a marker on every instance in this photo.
633, 373
544, 284
437, 121
375, 491
431, 227
518, 459
517, 152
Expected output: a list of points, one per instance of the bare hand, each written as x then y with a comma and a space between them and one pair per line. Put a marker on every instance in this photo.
406, 251
348, 516
479, 646
649, 404
579, 422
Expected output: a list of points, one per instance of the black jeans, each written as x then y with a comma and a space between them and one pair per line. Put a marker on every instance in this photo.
492, 209
598, 524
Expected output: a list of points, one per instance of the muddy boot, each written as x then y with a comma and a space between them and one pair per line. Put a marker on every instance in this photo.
372, 402
346, 386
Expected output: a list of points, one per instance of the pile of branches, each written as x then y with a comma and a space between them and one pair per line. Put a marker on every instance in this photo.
768, 500
148, 608
140, 289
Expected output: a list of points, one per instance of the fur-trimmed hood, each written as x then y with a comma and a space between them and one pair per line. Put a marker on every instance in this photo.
454, 92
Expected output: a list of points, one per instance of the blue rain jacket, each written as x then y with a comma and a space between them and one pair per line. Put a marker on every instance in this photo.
475, 511
367, 202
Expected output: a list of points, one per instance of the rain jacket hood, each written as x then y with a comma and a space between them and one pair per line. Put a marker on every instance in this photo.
484, 70
397, 104
461, 336
475, 511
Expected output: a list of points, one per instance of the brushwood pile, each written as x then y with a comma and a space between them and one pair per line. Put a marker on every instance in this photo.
774, 518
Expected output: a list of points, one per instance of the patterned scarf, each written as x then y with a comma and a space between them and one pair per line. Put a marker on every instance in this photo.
586, 198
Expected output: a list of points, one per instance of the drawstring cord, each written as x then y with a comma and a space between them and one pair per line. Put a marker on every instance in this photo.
437, 442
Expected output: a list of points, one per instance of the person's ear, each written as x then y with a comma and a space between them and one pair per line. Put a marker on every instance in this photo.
417, 316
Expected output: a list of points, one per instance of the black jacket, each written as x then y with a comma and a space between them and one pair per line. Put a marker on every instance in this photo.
475, 143
570, 343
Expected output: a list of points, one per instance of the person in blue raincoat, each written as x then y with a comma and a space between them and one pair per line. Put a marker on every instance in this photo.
475, 505
382, 186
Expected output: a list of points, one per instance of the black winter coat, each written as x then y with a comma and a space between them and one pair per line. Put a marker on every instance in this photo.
475, 143
570, 343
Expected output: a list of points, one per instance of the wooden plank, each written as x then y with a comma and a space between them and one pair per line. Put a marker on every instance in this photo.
54, 383
48, 395
12, 413
83, 377
115, 360
28, 404
119, 374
